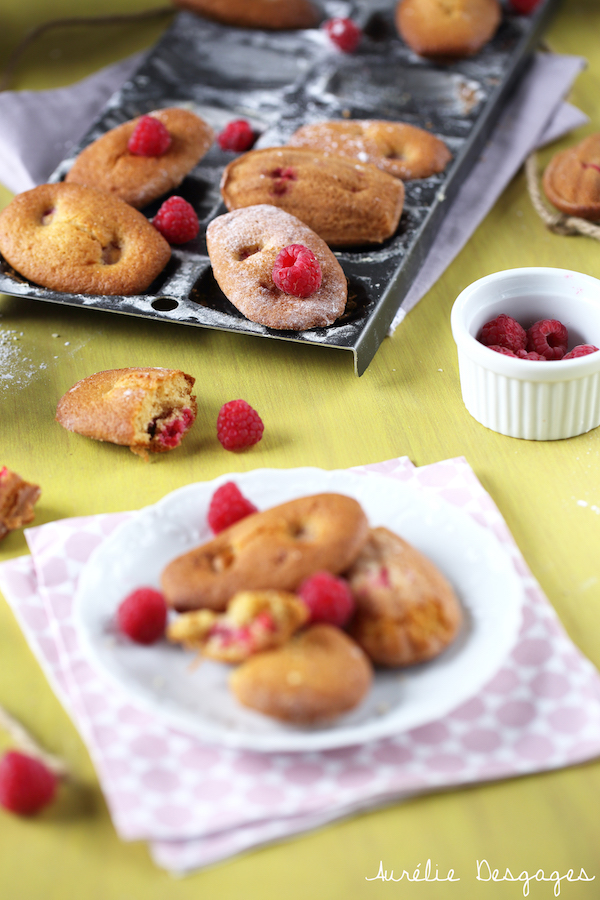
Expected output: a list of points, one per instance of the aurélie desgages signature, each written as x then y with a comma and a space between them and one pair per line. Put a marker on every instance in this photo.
483, 872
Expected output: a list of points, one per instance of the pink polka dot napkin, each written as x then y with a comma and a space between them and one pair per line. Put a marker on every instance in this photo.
199, 803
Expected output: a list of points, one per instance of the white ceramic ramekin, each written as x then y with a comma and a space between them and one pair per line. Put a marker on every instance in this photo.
540, 401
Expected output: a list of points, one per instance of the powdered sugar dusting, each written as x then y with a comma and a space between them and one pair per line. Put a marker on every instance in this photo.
243, 246
17, 369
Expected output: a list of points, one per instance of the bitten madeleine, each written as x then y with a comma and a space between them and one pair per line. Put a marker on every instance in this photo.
107, 164
346, 203
17, 499
447, 28
78, 240
254, 621
275, 549
148, 410
571, 180
317, 676
243, 245
402, 150
275, 15
406, 610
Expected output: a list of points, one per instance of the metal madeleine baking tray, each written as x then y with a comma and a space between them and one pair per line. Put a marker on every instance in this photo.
279, 81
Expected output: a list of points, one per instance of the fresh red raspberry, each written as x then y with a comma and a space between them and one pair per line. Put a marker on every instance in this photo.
237, 136
504, 331
177, 221
227, 506
149, 138
580, 350
503, 350
26, 784
344, 33
297, 271
142, 615
548, 337
532, 355
328, 598
524, 7
238, 425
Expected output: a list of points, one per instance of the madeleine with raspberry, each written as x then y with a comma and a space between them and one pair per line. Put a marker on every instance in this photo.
17, 499
275, 549
275, 270
406, 610
144, 158
148, 409
347, 202
254, 621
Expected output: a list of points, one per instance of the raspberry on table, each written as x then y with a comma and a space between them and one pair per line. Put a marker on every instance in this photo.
297, 271
149, 138
328, 598
177, 221
344, 33
227, 506
237, 136
238, 425
504, 331
26, 783
142, 615
580, 350
548, 337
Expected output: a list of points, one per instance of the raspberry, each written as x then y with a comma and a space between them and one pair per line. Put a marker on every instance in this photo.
580, 350
282, 175
149, 138
504, 331
328, 598
26, 784
548, 337
227, 506
503, 350
238, 425
177, 221
297, 271
344, 33
237, 136
142, 615
523, 7
532, 355
170, 433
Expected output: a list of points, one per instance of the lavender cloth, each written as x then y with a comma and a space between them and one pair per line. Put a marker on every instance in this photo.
39, 128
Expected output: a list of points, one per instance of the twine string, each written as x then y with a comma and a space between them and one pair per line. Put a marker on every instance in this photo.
557, 222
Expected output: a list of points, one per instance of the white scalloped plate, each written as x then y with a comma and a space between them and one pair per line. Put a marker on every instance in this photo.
196, 699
